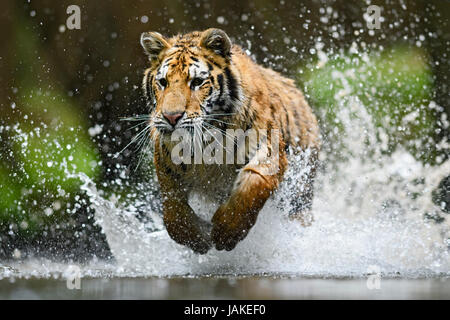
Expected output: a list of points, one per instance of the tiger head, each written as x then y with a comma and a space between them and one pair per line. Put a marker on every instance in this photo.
191, 80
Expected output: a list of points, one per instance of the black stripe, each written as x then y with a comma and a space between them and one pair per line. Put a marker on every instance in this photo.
232, 84
272, 111
246, 110
286, 113
148, 89
288, 136
297, 117
172, 54
213, 62
283, 130
220, 81
195, 59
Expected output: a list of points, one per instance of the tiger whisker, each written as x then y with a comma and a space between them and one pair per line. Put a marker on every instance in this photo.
143, 148
213, 137
135, 138
226, 134
219, 114
220, 121
137, 125
136, 118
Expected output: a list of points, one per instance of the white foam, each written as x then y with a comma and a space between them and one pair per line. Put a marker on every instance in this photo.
364, 212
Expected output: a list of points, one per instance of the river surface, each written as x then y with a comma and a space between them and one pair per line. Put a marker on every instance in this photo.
226, 288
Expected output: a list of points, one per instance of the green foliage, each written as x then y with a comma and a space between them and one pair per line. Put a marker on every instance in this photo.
48, 142
394, 86
61, 146
49, 147
10, 193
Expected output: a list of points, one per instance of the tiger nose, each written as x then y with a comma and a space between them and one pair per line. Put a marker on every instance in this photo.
173, 117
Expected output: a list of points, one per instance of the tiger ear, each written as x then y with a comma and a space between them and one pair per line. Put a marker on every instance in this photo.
217, 41
153, 43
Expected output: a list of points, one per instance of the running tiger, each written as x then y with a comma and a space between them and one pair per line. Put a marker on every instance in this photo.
201, 81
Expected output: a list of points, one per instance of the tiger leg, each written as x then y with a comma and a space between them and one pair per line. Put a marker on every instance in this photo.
181, 222
185, 227
253, 186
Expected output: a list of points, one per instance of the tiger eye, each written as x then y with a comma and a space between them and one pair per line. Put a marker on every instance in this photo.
163, 82
196, 82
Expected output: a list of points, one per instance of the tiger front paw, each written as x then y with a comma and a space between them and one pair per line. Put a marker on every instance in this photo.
190, 231
229, 228
193, 238
200, 245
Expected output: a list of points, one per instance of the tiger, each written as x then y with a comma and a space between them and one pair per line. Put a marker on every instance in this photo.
203, 80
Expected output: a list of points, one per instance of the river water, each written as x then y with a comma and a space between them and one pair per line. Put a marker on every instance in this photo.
225, 288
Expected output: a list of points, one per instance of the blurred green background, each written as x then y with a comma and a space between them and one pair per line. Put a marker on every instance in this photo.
63, 92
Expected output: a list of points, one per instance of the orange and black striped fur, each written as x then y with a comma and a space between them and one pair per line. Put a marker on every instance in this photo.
201, 80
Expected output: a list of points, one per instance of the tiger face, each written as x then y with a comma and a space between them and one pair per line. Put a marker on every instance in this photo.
190, 82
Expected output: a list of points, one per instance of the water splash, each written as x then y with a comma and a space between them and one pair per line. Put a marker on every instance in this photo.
368, 211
